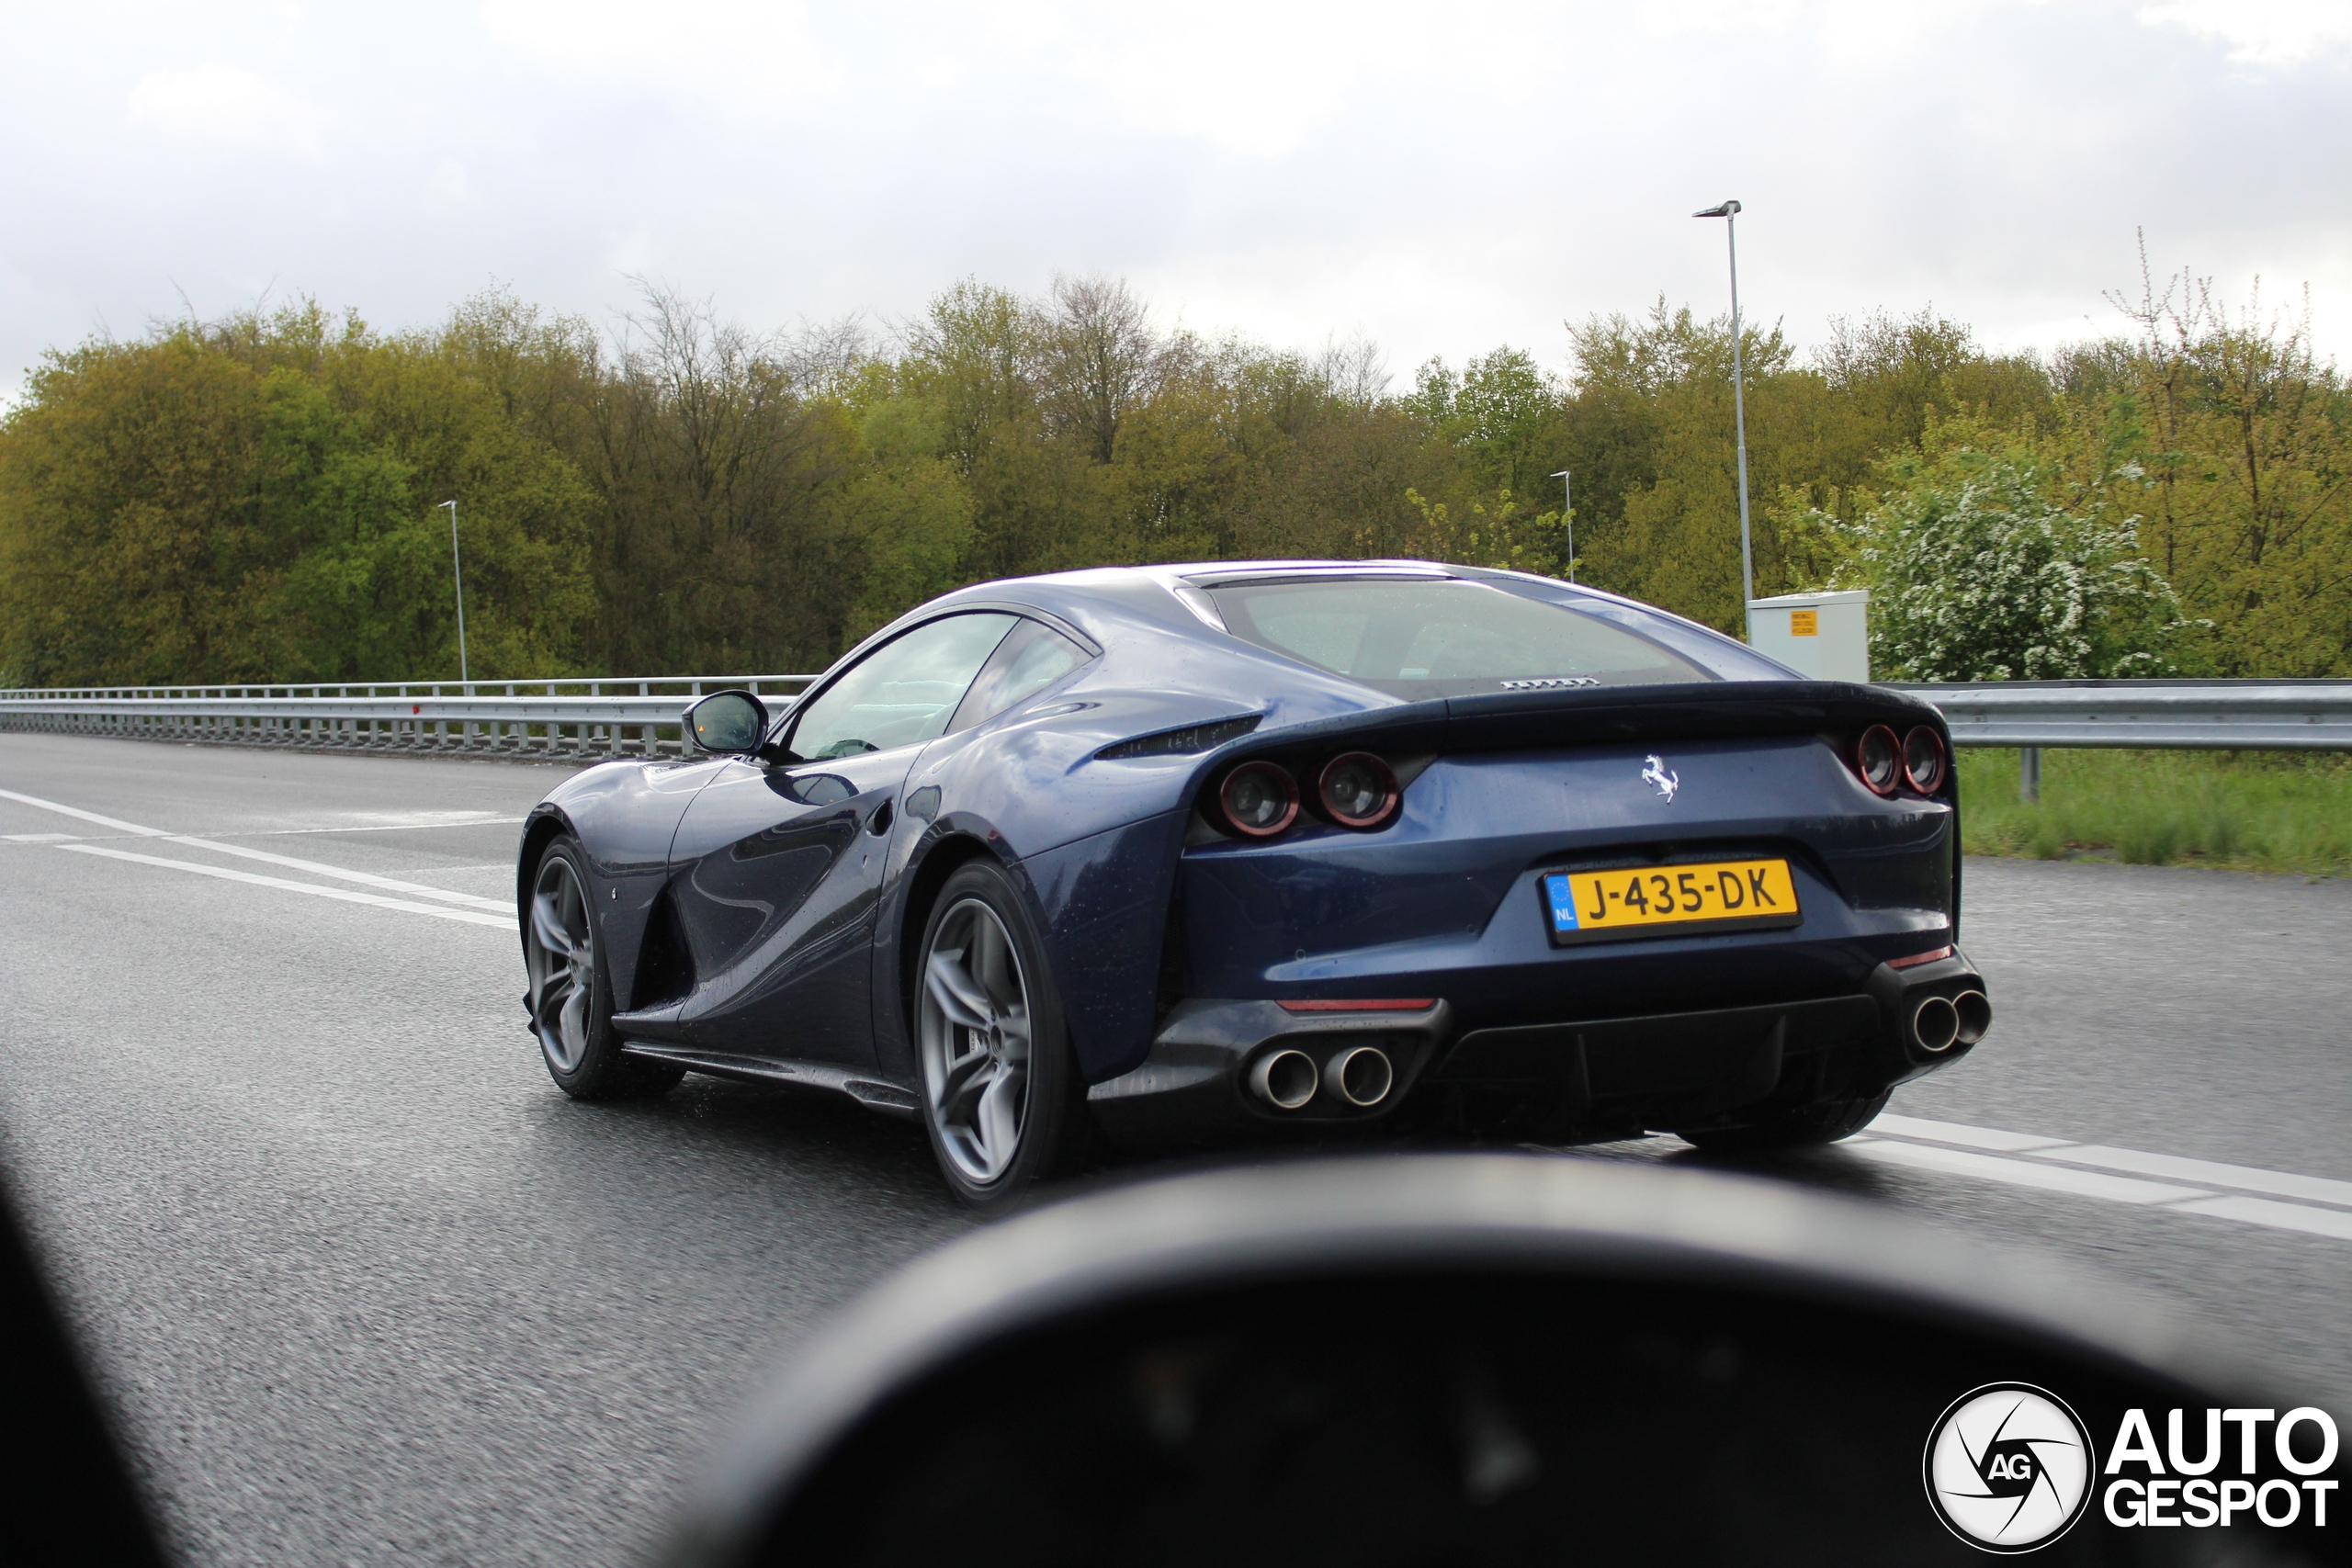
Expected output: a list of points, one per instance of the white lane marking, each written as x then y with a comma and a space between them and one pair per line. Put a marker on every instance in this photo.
35, 800
365, 879
502, 922
2025, 1166
2205, 1172
40, 838
389, 827
1955, 1132
2211, 1173
2280, 1216
316, 868
2023, 1173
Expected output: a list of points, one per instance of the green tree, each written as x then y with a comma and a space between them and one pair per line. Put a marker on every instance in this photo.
253, 500
1500, 416
1985, 564
1675, 539
126, 528
2247, 442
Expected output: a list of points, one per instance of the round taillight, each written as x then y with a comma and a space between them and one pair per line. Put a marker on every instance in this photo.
1259, 800
1923, 760
1878, 757
1357, 790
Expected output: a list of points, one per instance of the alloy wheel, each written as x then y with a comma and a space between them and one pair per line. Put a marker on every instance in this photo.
561, 948
975, 1035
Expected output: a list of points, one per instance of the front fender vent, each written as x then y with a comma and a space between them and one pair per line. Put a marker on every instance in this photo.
665, 964
1188, 741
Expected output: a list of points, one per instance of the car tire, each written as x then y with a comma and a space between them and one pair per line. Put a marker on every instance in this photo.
999, 1089
571, 996
1814, 1125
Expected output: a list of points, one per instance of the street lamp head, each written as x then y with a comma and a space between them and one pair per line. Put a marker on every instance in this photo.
1722, 209
1561, 475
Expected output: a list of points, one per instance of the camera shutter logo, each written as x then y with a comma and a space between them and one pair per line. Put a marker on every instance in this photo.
2009, 1467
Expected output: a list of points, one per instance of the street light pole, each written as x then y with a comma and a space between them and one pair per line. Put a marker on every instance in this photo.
1729, 212
1568, 515
457, 570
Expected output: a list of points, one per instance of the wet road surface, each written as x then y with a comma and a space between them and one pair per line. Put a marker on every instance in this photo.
364, 1288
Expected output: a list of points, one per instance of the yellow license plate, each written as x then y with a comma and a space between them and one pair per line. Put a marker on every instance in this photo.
1733, 895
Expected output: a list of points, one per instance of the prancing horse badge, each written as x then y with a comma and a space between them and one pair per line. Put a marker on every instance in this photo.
1657, 776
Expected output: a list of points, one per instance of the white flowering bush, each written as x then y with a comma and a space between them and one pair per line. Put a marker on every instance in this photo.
1978, 572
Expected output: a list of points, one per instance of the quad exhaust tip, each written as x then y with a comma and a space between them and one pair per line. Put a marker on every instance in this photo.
1938, 1023
1975, 1010
1285, 1079
1935, 1024
1362, 1074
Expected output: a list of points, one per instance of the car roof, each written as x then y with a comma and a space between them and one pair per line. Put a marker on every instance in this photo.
1173, 599
1211, 574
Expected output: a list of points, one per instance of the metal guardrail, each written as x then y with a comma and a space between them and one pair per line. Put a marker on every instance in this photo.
639, 717
546, 718
2253, 715
2213, 716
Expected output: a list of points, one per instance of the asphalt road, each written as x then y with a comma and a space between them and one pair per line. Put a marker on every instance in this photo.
365, 1289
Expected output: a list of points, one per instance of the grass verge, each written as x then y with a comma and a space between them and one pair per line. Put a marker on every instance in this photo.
2242, 810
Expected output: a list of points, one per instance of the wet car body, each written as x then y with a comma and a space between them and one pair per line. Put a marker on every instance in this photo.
759, 916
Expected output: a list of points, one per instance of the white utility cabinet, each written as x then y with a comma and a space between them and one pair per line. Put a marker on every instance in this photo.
1825, 636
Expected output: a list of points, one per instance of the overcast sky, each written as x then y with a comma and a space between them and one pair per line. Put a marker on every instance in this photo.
1441, 178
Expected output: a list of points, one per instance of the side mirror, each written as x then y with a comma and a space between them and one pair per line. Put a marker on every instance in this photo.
728, 722
1489, 1359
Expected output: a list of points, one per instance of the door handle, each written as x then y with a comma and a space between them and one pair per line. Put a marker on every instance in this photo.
880, 822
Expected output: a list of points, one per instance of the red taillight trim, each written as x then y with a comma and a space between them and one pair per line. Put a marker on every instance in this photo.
1918, 958
1943, 760
1290, 789
1388, 1004
1390, 806
1895, 742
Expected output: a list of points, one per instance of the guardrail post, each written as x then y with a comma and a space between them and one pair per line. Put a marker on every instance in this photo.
2030, 774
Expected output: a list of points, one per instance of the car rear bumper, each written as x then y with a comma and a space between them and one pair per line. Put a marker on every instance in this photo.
1204, 1079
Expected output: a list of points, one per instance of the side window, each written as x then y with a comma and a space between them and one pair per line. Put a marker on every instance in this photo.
1032, 659
901, 694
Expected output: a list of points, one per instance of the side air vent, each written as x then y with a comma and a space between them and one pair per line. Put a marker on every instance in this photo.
1183, 742
665, 966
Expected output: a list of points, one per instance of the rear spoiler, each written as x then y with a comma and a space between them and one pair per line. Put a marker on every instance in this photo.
1517, 721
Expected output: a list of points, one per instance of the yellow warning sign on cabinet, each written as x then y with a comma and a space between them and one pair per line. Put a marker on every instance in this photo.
1804, 622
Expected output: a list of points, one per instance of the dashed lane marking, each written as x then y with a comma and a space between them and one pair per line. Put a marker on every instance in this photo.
2020, 1173
365, 879
2277, 1183
34, 800
2279, 1216
2055, 1165
1988, 1138
2202, 1172
392, 826
316, 868
348, 894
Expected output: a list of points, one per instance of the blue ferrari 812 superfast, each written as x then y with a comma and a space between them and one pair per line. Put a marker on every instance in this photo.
1158, 858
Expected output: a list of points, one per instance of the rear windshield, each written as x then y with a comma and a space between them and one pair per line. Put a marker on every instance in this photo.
1443, 639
